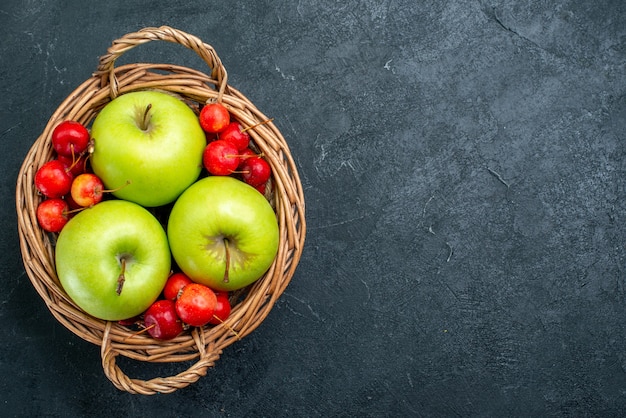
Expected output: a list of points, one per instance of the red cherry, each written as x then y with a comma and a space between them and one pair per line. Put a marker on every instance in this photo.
70, 202
210, 136
235, 134
53, 179
129, 321
161, 320
87, 190
261, 188
175, 283
214, 117
196, 304
220, 158
70, 138
247, 153
255, 170
222, 309
53, 214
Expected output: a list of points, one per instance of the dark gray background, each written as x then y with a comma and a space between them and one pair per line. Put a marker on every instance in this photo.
464, 170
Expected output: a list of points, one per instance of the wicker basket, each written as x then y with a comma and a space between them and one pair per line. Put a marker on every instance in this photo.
198, 348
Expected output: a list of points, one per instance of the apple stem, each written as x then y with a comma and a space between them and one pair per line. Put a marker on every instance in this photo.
121, 279
146, 118
227, 250
258, 124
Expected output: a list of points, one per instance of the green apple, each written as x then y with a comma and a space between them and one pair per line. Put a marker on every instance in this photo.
113, 259
223, 233
147, 145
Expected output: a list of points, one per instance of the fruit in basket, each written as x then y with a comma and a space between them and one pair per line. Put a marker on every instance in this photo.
175, 284
214, 117
220, 158
76, 164
53, 214
70, 138
162, 321
53, 179
223, 233
222, 309
87, 190
113, 259
196, 304
254, 170
236, 135
151, 140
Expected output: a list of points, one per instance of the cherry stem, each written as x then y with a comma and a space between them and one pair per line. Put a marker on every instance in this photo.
118, 188
227, 250
258, 124
121, 279
227, 326
141, 331
74, 159
244, 156
68, 212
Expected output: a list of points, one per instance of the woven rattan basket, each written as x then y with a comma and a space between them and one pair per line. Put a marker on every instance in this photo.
198, 348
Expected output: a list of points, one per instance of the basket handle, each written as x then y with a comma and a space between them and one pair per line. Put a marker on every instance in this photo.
208, 356
106, 68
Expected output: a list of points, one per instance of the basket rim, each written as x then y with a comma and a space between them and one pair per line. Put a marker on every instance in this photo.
236, 104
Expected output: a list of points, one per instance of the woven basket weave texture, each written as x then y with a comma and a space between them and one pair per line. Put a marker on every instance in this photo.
200, 348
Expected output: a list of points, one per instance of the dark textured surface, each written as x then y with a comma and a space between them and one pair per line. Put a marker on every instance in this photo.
464, 170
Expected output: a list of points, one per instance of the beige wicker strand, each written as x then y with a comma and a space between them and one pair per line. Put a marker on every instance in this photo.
208, 357
164, 33
251, 305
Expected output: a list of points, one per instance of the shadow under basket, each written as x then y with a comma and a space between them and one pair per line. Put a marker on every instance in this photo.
198, 348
